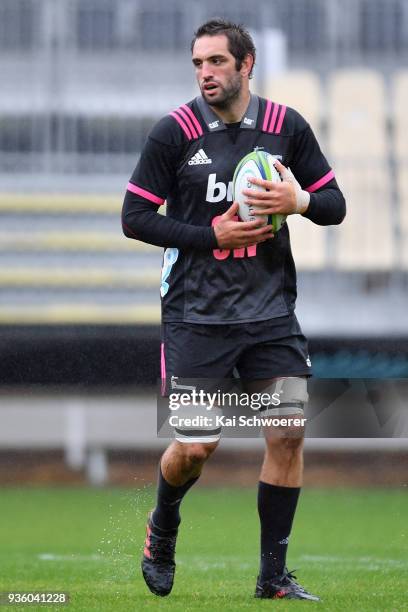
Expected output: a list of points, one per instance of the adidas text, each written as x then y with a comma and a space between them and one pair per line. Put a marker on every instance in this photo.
199, 158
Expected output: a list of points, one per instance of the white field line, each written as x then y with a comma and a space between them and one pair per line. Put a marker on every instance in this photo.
367, 562
73, 557
229, 561
205, 565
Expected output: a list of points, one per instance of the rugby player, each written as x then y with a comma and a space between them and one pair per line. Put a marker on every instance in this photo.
229, 287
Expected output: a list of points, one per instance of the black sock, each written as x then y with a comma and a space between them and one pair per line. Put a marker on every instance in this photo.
276, 508
166, 515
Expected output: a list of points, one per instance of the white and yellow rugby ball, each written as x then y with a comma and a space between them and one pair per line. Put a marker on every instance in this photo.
257, 164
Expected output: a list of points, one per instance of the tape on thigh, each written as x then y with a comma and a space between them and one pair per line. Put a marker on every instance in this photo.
293, 396
196, 424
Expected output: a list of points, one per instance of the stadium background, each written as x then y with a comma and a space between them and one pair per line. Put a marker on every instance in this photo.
82, 83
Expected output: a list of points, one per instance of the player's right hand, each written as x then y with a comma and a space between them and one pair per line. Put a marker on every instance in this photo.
232, 233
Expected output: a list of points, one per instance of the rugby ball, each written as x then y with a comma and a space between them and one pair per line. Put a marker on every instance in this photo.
257, 164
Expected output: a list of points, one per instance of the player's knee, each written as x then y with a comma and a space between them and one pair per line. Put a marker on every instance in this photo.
284, 446
293, 396
197, 454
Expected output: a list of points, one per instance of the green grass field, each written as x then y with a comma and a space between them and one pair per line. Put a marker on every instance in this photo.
350, 547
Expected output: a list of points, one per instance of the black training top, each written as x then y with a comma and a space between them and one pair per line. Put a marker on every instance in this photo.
189, 161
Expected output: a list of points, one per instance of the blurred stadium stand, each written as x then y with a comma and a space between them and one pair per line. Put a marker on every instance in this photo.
287, 85
79, 99
82, 83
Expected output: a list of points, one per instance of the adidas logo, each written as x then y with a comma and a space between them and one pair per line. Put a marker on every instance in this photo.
199, 158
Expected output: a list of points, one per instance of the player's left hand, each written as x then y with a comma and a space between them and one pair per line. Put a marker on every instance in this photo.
286, 198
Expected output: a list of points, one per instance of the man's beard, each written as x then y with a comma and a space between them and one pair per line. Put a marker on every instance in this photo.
228, 94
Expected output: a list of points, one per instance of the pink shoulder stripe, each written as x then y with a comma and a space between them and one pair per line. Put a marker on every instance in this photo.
280, 120
182, 125
183, 115
145, 194
273, 118
193, 119
267, 113
321, 182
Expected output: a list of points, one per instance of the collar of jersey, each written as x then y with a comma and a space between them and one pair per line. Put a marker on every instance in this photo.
215, 124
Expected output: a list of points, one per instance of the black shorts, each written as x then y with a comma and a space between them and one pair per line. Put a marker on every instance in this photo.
265, 349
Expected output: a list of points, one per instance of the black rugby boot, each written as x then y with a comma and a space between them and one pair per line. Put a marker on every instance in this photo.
158, 565
282, 587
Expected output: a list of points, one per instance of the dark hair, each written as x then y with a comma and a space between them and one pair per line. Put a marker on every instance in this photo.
240, 42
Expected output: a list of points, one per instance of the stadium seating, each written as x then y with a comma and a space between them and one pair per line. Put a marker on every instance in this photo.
66, 260
403, 215
64, 256
358, 149
364, 241
301, 90
400, 150
308, 243
356, 110
400, 116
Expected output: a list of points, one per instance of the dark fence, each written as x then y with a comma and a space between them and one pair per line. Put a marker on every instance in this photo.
114, 356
